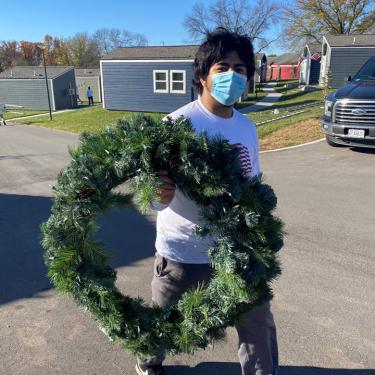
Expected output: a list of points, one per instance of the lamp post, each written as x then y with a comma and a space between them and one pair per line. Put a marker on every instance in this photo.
45, 75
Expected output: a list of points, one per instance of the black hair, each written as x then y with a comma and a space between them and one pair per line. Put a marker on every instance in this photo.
217, 44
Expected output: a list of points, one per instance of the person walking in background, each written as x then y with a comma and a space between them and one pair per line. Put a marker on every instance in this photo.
90, 95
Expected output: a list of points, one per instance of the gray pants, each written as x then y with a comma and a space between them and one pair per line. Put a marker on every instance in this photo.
257, 348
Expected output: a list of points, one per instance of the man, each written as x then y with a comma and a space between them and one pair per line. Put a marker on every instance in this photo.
222, 68
90, 95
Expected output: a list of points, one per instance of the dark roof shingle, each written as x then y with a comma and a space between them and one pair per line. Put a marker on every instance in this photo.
351, 40
33, 72
153, 53
286, 58
87, 72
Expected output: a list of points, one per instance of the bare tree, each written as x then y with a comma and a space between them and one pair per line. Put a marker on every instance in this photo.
108, 39
309, 20
251, 19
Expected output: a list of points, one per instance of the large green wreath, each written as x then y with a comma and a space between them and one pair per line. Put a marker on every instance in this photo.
236, 211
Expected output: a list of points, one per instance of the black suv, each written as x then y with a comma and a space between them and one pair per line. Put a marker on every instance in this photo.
349, 113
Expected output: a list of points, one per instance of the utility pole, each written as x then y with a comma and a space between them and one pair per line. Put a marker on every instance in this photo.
45, 75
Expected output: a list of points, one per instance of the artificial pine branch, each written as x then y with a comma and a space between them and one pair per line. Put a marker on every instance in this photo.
236, 212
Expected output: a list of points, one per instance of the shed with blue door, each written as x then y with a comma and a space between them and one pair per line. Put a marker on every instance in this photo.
310, 65
148, 79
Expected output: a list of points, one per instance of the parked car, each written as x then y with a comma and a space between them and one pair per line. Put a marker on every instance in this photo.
349, 113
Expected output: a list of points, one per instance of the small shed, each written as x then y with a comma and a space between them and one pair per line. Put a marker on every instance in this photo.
310, 65
84, 79
283, 67
343, 56
149, 79
26, 86
260, 67
260, 74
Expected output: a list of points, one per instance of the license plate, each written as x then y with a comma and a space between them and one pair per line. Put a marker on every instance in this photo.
356, 133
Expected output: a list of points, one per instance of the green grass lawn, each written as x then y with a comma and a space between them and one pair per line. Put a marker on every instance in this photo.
266, 129
96, 118
10, 113
91, 119
252, 98
280, 85
292, 98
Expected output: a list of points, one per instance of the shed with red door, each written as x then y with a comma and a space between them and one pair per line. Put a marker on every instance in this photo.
283, 67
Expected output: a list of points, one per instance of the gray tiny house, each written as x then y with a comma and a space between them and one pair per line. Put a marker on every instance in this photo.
343, 55
88, 77
148, 79
26, 86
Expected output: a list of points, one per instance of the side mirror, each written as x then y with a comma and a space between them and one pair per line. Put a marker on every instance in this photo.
348, 78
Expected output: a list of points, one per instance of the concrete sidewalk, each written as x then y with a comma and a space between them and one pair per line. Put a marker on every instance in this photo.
268, 101
19, 119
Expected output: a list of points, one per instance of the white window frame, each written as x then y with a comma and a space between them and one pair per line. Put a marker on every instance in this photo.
183, 91
166, 80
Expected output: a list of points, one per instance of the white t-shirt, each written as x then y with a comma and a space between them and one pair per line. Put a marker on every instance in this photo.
90, 93
175, 222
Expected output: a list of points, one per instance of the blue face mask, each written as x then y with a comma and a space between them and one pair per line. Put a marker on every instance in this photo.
227, 87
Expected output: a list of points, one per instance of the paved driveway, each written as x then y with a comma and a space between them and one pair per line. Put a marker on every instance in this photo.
324, 304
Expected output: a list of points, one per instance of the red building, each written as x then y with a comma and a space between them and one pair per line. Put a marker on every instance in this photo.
283, 67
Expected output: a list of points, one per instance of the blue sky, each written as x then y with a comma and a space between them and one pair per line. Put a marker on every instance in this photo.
160, 21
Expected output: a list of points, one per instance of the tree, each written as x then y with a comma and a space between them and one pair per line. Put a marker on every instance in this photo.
108, 39
9, 54
52, 48
239, 16
309, 20
31, 53
80, 51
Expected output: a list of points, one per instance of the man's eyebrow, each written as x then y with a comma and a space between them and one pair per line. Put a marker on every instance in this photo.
226, 64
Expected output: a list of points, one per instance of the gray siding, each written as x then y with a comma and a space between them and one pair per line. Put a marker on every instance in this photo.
347, 61
61, 85
94, 83
29, 93
129, 86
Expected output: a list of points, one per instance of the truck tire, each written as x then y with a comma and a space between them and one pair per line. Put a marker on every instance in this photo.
331, 143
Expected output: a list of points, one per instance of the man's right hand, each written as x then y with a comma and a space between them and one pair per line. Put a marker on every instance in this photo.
165, 191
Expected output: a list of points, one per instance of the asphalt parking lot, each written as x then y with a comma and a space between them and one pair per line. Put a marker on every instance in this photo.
324, 301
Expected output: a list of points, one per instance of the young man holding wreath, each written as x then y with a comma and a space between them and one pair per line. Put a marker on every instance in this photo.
223, 65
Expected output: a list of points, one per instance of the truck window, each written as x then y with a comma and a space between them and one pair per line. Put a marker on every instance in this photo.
367, 72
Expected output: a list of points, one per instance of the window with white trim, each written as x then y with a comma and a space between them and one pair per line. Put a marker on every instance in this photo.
161, 81
178, 81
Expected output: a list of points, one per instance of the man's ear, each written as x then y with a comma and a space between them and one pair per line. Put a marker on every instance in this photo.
203, 81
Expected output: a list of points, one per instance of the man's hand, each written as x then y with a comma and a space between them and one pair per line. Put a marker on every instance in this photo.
166, 190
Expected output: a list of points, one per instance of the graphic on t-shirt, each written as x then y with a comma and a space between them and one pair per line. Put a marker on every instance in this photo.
245, 159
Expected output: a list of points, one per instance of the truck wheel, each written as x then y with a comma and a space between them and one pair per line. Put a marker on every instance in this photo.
331, 143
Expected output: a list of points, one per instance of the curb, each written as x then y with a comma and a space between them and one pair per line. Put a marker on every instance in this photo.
292, 147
